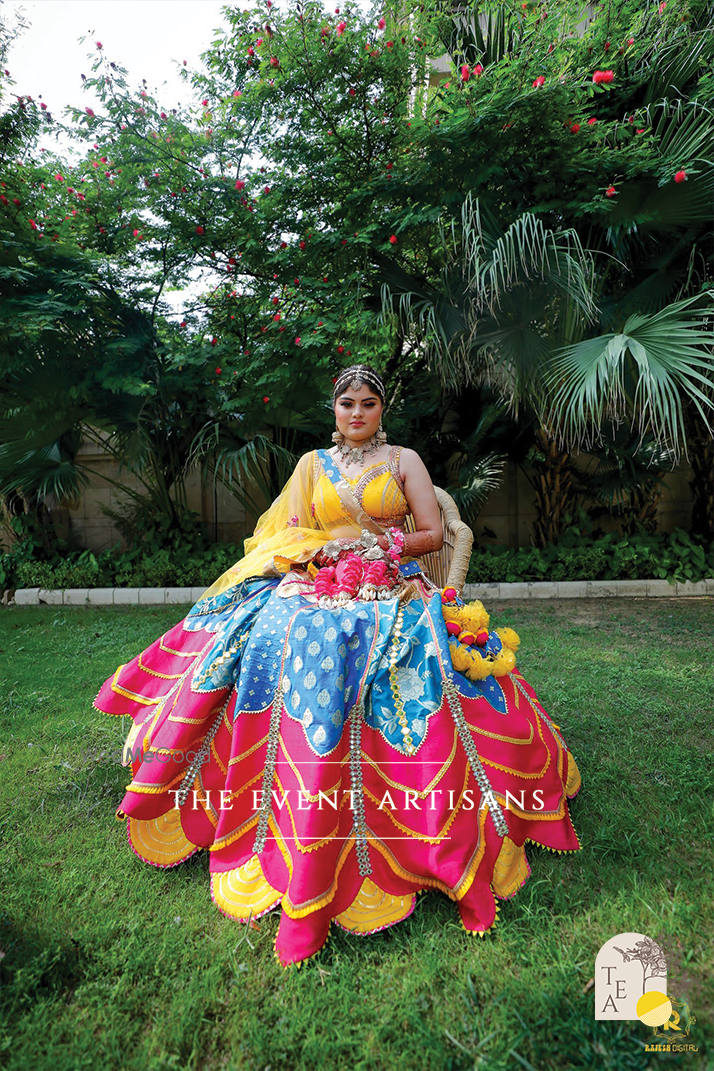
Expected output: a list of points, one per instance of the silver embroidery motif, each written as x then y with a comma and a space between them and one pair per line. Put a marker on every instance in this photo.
271, 755
494, 808
359, 825
201, 755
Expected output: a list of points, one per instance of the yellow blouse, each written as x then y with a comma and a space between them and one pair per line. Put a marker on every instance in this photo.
378, 489
309, 509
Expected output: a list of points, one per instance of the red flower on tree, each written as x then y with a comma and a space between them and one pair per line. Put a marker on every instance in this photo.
603, 77
610, 191
680, 176
199, 230
393, 239
540, 81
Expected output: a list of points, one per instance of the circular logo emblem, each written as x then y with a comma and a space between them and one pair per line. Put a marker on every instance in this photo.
654, 1008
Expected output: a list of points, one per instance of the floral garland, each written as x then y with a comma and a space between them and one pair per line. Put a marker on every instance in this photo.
471, 645
362, 570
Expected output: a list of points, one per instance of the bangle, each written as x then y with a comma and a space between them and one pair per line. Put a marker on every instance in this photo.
395, 544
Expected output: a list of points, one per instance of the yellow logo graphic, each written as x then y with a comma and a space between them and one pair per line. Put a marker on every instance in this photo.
656, 1009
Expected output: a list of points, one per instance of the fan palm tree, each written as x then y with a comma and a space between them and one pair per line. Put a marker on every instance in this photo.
525, 309
504, 301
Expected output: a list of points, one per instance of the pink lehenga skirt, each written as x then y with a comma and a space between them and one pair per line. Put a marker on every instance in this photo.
333, 763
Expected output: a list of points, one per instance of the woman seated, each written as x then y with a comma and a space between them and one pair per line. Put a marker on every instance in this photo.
339, 734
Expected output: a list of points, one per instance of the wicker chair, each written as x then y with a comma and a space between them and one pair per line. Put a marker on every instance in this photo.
448, 567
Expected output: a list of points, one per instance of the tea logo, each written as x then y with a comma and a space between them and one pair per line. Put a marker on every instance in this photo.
624, 967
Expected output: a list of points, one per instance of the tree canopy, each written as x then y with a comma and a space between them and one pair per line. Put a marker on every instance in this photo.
536, 221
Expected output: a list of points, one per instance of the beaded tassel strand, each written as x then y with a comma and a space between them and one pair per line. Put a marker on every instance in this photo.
201, 756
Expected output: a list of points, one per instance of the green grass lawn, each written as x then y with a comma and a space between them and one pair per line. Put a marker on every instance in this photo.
114, 964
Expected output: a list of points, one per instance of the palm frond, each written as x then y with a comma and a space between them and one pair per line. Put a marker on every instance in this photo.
645, 373
254, 470
675, 67
478, 478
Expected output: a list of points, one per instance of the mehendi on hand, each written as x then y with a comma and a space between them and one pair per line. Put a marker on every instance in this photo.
417, 543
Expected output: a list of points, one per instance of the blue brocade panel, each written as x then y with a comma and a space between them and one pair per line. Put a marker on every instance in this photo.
330, 659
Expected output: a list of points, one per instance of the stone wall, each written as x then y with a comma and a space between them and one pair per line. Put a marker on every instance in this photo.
509, 511
88, 526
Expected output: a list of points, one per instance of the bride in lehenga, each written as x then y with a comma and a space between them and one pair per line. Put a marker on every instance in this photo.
336, 731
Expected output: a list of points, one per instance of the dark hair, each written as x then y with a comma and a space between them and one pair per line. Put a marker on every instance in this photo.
355, 377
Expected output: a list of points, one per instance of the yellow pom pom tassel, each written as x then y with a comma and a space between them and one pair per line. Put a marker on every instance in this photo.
509, 638
460, 657
474, 616
504, 662
479, 668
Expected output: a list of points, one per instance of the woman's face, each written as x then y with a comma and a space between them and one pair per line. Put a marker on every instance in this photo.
358, 413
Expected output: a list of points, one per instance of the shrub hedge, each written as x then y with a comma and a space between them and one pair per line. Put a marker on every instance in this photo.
674, 556
671, 556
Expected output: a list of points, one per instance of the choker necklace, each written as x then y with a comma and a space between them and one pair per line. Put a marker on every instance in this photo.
355, 454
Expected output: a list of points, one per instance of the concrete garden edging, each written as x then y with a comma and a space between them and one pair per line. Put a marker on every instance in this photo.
561, 589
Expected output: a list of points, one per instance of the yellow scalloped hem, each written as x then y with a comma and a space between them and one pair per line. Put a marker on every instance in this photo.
574, 781
244, 892
373, 910
160, 841
510, 871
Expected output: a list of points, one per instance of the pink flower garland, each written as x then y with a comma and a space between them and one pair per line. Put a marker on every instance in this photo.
354, 577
